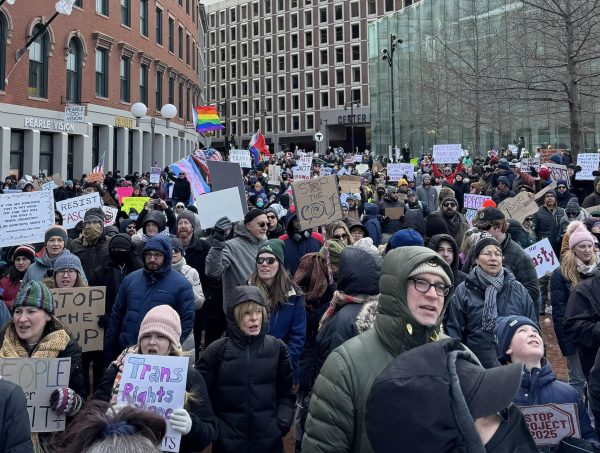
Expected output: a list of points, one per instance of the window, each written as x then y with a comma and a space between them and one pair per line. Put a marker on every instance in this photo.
339, 12
355, 53
180, 44
295, 81
324, 78
323, 32
324, 57
339, 55
3, 39
309, 101
74, 70
354, 11
171, 97
280, 24
308, 18
102, 7
355, 74
144, 17
281, 124
310, 122
180, 104
355, 31
294, 20
323, 15
294, 41
309, 58
308, 38
159, 27
78, 3
17, 150
295, 102
144, 83
309, 80
158, 94
125, 79
294, 63
339, 76
187, 49
102, 72
356, 95
46, 153
172, 35
295, 122
340, 98
339, 33
389, 5
38, 65
187, 7
126, 13
372, 7
281, 63
281, 104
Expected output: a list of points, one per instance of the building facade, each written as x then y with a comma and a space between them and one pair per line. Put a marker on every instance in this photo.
292, 68
105, 56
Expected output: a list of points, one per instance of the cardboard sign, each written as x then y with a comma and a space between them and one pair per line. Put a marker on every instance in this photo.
546, 189
274, 175
241, 156
73, 209
397, 171
475, 201
110, 215
154, 175
447, 154
25, 217
588, 162
123, 192
394, 213
520, 206
136, 203
80, 309
551, 423
155, 383
95, 177
302, 170
38, 378
225, 175
559, 172
349, 184
317, 201
219, 203
543, 257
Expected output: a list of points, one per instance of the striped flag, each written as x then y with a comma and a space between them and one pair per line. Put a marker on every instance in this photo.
100, 167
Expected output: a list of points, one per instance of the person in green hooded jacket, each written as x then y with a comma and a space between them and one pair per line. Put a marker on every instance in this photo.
415, 285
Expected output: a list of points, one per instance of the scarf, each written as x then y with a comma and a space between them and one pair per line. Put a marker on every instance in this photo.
91, 233
118, 362
312, 275
585, 269
492, 285
340, 299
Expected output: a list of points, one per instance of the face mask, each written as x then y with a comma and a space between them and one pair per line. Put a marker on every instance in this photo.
92, 232
260, 203
119, 256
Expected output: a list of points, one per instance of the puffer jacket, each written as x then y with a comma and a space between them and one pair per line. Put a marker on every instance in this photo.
143, 290
191, 276
39, 269
249, 381
15, 427
465, 313
336, 419
372, 224
429, 197
233, 261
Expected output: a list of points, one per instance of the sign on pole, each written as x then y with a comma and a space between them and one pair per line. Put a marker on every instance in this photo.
551, 423
447, 154
589, 163
74, 113
317, 201
25, 217
318, 136
520, 206
241, 156
543, 257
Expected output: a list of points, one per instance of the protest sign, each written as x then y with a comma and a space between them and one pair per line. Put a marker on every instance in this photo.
110, 215
546, 154
136, 203
225, 175
57, 180
470, 216
394, 213
447, 154
317, 201
219, 203
588, 162
95, 177
513, 149
546, 189
362, 168
302, 170
123, 192
475, 201
543, 257
559, 172
520, 206
73, 209
527, 162
274, 175
241, 156
358, 158
154, 175
50, 185
349, 184
343, 171
25, 217
551, 423
325, 171
38, 378
155, 383
80, 309
397, 171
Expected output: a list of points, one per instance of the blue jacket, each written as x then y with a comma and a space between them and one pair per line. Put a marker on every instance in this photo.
288, 323
371, 223
143, 290
540, 386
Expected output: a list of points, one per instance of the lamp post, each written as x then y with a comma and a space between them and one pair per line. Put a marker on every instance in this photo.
139, 110
351, 104
388, 55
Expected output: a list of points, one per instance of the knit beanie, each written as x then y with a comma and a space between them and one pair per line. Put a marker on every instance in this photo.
446, 192
572, 206
489, 203
251, 215
94, 215
335, 251
34, 294
275, 247
504, 180
120, 241
188, 215
24, 250
579, 234
449, 198
551, 192
162, 320
486, 217
590, 222
505, 330
431, 267
56, 230
69, 261
406, 237
177, 244
402, 182
484, 240
561, 182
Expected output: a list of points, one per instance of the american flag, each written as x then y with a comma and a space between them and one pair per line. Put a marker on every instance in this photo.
202, 156
100, 167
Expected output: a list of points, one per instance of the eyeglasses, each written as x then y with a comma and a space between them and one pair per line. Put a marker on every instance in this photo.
153, 255
423, 286
491, 254
596, 245
339, 237
528, 219
449, 204
572, 214
561, 187
262, 224
66, 272
266, 260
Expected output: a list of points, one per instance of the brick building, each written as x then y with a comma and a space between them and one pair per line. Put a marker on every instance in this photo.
106, 56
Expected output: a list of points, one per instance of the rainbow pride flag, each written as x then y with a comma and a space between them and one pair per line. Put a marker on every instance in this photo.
206, 118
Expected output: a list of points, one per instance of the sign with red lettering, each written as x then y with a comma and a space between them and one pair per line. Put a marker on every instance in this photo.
543, 257
73, 209
550, 423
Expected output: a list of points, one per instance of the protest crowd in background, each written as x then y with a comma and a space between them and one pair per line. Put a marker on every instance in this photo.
322, 302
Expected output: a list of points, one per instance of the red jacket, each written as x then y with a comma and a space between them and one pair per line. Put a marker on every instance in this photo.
10, 290
450, 178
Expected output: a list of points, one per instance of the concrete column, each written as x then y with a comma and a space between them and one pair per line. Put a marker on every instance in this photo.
31, 158
61, 148
82, 155
5, 155
122, 150
106, 141
158, 150
176, 153
137, 151
147, 160
169, 158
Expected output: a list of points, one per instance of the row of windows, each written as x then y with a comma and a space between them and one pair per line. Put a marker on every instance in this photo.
102, 7
284, 124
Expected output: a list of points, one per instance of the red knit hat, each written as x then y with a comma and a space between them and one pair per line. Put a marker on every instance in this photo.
489, 203
544, 173
164, 321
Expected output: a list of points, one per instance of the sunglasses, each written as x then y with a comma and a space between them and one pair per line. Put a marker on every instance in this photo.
561, 187
449, 204
528, 219
572, 214
262, 224
265, 260
339, 237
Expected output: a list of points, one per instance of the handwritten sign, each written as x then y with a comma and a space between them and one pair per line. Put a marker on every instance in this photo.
73, 209
110, 215
317, 201
302, 170
136, 203
551, 423
25, 217
214, 205
447, 154
527, 162
123, 192
559, 172
154, 175
588, 162
543, 257
350, 184
475, 201
95, 177
155, 383
38, 378
274, 175
397, 171
520, 206
241, 156
50, 185
547, 153
470, 216
362, 168
325, 171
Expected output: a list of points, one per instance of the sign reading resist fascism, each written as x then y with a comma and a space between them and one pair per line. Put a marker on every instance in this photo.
73, 209
447, 154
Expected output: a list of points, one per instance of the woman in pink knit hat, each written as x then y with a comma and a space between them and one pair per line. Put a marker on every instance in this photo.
160, 332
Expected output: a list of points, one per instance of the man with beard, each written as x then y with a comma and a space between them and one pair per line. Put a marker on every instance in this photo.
454, 220
427, 195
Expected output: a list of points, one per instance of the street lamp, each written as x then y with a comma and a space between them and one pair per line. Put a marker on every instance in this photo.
139, 110
388, 55
351, 104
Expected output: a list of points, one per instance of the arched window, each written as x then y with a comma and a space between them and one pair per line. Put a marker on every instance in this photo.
3, 38
74, 70
38, 65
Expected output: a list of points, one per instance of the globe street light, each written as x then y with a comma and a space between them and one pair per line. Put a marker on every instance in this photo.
388, 55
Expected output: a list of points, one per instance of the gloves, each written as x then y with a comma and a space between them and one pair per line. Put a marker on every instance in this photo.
181, 421
103, 321
64, 400
222, 228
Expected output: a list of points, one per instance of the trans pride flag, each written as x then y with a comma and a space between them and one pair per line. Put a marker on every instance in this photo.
206, 118
197, 183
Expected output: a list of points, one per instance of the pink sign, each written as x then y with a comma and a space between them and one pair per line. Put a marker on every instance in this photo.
124, 192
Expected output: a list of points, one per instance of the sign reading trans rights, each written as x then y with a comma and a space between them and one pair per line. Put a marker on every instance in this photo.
447, 154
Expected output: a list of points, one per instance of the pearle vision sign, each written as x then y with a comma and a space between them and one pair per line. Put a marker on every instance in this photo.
48, 124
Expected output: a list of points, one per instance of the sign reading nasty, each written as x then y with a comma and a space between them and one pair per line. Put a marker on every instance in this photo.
317, 201
543, 257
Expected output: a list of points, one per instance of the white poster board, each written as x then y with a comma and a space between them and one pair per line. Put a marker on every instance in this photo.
73, 209
513, 149
325, 171
396, 171
543, 257
447, 154
559, 172
50, 185
154, 175
155, 383
241, 156
274, 175
25, 217
38, 378
551, 423
470, 216
302, 170
214, 205
475, 201
588, 162
362, 168
527, 162
358, 158
110, 215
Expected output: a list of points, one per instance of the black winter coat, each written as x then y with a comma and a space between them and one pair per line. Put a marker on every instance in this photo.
15, 428
547, 225
90, 256
181, 190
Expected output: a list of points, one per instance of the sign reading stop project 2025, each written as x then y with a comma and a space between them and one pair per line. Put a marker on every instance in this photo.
550, 423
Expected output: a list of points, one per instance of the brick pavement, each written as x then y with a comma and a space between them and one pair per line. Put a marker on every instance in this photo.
559, 364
